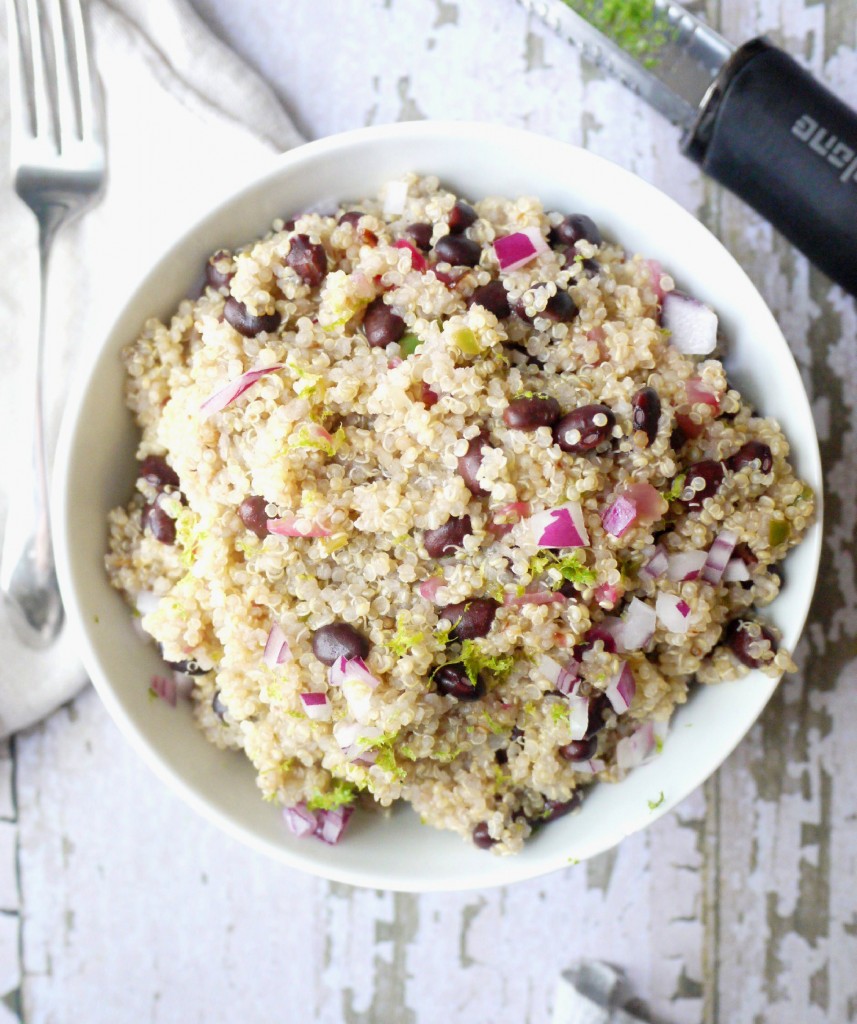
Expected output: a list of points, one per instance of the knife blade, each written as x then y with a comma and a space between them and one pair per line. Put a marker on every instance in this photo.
750, 115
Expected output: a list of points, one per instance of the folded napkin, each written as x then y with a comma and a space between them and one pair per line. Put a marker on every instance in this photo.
187, 121
592, 992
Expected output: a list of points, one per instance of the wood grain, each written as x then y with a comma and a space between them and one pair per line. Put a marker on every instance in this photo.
737, 907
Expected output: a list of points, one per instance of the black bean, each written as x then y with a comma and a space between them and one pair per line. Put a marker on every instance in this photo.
746, 554
568, 589
452, 680
557, 809
599, 707
678, 438
752, 451
157, 472
482, 837
189, 667
703, 478
252, 514
469, 463
308, 260
338, 640
352, 217
427, 396
420, 234
584, 428
161, 526
458, 251
217, 706
461, 216
573, 228
381, 325
579, 750
647, 412
493, 297
445, 539
738, 639
501, 756
530, 413
239, 317
560, 308
214, 276
470, 619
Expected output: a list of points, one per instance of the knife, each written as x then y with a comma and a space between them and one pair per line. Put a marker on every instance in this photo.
751, 116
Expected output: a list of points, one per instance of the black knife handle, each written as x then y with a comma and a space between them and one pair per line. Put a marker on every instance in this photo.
788, 147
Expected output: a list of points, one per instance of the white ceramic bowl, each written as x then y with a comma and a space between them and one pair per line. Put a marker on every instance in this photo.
96, 469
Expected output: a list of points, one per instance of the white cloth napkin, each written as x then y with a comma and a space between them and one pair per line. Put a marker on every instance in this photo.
592, 992
187, 121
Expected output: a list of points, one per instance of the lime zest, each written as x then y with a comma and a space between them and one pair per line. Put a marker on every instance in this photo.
674, 493
404, 640
655, 804
475, 660
409, 344
568, 566
343, 793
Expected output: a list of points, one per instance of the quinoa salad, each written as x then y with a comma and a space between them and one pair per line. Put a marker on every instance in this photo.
449, 502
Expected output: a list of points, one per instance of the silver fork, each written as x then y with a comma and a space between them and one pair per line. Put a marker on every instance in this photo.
58, 168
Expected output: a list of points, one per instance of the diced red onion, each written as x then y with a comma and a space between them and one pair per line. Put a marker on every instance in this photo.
277, 650
534, 597
300, 820
604, 631
692, 325
507, 516
561, 527
621, 689
234, 389
165, 688
635, 749
591, 767
718, 555
563, 678
331, 824
428, 588
184, 684
519, 248
637, 626
685, 565
736, 571
619, 516
697, 393
607, 593
418, 261
395, 197
578, 716
350, 668
657, 565
656, 272
358, 696
297, 526
648, 501
673, 612
317, 706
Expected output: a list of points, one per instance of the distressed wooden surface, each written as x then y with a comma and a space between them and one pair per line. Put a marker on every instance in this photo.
118, 904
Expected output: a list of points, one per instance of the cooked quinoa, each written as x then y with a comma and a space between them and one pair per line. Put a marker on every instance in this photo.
412, 526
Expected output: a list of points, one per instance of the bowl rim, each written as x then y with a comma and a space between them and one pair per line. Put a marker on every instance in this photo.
514, 868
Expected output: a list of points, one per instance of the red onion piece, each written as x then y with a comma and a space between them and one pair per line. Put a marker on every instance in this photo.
673, 613
563, 678
351, 668
619, 516
428, 588
418, 261
657, 565
165, 688
519, 248
234, 389
534, 597
718, 556
692, 325
300, 820
560, 527
591, 767
649, 503
607, 593
184, 684
621, 689
736, 571
507, 516
316, 706
395, 197
331, 824
637, 626
685, 565
297, 526
635, 749
277, 651
697, 393
656, 272
578, 716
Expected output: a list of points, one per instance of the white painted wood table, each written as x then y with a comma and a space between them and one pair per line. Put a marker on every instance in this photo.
118, 904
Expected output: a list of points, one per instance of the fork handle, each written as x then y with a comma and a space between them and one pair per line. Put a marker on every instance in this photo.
28, 579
